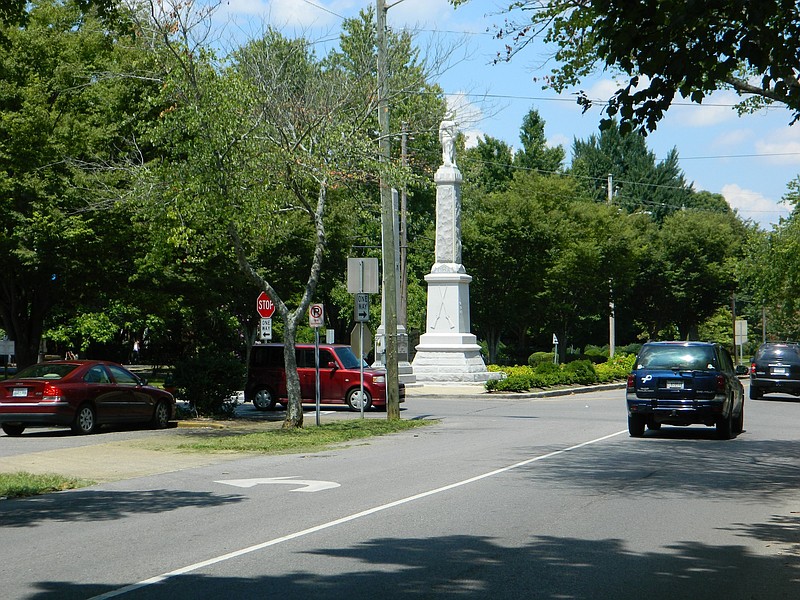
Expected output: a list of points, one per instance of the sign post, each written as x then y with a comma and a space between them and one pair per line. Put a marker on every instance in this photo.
555, 352
316, 319
740, 335
362, 280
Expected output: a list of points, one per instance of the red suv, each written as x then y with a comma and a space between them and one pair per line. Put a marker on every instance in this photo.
339, 377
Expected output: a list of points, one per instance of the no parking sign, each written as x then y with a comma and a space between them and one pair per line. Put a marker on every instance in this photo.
316, 316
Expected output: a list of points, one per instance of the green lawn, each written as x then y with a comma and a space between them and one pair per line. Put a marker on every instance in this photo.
18, 485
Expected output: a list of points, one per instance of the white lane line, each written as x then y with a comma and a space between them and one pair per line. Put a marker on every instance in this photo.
341, 521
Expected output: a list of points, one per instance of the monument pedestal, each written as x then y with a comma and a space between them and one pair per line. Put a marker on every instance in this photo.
447, 352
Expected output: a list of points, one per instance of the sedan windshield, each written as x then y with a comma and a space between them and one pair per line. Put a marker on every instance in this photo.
46, 371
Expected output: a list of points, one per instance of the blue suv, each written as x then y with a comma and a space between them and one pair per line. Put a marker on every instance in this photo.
685, 383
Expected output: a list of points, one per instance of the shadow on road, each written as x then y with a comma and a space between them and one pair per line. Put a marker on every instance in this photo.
468, 567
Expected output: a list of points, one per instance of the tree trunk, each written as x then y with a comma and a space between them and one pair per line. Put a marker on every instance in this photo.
23, 312
294, 408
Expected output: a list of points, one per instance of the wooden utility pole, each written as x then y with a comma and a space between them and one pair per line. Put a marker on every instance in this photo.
387, 226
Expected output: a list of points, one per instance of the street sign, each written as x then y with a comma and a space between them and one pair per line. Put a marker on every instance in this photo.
316, 315
740, 332
6, 347
265, 306
362, 308
362, 275
355, 341
266, 329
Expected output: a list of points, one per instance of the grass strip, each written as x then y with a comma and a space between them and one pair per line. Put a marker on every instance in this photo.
307, 439
22, 484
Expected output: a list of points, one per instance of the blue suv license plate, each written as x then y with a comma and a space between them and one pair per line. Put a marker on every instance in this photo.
675, 385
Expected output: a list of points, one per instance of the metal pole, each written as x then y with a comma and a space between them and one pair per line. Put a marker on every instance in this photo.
612, 328
402, 316
387, 228
316, 364
361, 346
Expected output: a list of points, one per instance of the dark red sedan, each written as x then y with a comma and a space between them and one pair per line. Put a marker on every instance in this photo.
82, 394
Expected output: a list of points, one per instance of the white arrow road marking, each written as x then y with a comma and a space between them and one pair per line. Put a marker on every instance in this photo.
309, 485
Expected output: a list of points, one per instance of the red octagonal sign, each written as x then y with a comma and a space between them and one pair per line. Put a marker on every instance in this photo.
265, 306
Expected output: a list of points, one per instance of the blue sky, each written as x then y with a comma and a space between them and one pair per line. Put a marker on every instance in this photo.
748, 159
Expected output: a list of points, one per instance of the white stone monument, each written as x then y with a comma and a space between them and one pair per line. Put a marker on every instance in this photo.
447, 351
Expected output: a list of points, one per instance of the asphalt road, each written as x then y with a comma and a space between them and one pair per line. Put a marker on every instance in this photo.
504, 498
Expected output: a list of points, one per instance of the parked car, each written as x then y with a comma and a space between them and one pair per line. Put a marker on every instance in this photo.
81, 394
775, 367
685, 383
339, 377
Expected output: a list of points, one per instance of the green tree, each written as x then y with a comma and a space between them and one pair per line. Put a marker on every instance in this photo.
639, 183
771, 272
591, 265
665, 50
535, 154
699, 251
486, 167
62, 107
506, 245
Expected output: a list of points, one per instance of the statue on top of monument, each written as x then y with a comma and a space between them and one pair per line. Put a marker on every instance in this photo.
447, 137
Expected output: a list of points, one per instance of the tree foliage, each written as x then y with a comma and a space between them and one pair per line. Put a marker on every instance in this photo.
535, 155
639, 182
62, 109
666, 49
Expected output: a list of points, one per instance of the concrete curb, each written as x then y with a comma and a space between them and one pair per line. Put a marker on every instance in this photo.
434, 391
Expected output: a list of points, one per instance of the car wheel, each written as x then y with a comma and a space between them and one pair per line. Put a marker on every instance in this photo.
725, 427
355, 399
738, 422
85, 420
636, 425
263, 400
13, 430
161, 416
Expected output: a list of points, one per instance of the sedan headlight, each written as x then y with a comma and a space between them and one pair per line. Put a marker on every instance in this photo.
379, 379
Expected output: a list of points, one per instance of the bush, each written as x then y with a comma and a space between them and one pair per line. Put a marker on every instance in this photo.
617, 368
548, 374
540, 357
580, 371
209, 383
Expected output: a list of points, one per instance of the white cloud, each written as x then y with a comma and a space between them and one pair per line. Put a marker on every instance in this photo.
783, 144
418, 12
288, 13
715, 109
733, 138
559, 139
753, 205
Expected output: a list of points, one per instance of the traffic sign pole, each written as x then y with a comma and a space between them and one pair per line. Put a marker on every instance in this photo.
361, 362
316, 364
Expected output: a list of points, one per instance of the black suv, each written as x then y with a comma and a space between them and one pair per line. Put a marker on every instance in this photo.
775, 368
681, 383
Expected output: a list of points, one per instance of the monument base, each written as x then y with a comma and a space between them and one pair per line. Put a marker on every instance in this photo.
449, 358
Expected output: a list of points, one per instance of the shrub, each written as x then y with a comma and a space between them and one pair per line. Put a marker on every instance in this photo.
209, 383
580, 371
540, 357
617, 368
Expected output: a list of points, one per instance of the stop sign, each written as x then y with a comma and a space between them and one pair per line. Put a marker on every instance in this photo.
264, 305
